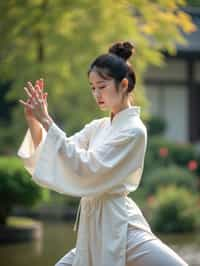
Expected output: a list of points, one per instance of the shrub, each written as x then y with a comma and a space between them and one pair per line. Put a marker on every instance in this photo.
153, 159
180, 153
174, 210
163, 152
167, 176
156, 126
17, 187
198, 164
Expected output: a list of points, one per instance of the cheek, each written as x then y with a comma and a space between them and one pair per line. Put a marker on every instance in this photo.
112, 95
107, 96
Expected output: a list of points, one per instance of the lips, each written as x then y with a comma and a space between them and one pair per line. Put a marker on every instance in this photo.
100, 102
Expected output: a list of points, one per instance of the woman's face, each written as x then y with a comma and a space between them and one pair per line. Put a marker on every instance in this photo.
104, 92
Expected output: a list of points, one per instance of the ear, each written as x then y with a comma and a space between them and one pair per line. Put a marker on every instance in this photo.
124, 84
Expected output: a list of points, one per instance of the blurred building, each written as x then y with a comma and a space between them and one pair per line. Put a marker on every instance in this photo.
174, 90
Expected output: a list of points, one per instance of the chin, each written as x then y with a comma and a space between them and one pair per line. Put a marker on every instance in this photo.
104, 108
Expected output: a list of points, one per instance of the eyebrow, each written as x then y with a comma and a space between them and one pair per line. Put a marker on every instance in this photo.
98, 82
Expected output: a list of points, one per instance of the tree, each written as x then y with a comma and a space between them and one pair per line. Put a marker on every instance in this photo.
58, 40
193, 3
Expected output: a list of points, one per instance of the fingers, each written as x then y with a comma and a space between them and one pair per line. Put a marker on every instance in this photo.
45, 98
45, 95
41, 84
39, 92
27, 92
36, 82
31, 88
30, 91
35, 93
31, 103
28, 105
42, 97
38, 96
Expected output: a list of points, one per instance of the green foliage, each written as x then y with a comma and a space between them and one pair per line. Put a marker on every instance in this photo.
57, 40
16, 187
198, 165
71, 202
165, 152
171, 175
174, 210
182, 153
156, 126
193, 3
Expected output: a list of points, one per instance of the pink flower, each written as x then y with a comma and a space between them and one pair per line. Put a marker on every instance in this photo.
163, 152
192, 165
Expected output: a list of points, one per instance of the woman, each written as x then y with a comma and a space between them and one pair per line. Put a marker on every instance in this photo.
101, 164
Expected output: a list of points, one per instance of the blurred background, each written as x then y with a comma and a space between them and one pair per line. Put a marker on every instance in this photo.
57, 41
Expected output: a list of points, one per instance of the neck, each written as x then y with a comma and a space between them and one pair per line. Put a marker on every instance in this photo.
115, 110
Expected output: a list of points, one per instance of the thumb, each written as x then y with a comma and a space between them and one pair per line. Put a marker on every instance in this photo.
45, 97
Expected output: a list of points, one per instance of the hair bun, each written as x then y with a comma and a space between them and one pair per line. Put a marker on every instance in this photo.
122, 49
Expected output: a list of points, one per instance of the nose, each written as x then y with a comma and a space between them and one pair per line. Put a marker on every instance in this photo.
97, 94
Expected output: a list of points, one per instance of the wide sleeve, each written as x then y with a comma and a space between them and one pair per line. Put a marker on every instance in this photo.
29, 154
66, 168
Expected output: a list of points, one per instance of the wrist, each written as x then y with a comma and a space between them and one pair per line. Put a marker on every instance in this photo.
47, 122
33, 122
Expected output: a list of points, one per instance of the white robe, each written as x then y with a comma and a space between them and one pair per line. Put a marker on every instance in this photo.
101, 164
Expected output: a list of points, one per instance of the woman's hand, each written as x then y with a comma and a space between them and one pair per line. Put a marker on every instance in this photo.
31, 94
36, 105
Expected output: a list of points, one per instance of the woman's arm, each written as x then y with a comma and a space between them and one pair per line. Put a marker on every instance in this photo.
33, 124
36, 131
64, 167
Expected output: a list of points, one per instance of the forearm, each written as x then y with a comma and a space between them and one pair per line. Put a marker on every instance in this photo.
36, 131
36, 128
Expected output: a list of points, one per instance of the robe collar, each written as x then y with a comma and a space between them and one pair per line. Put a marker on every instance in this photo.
124, 114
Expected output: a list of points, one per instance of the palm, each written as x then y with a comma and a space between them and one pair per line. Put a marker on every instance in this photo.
27, 111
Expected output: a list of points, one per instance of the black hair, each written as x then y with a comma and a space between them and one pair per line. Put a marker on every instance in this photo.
115, 64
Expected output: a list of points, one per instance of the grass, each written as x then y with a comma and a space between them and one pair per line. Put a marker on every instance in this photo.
20, 222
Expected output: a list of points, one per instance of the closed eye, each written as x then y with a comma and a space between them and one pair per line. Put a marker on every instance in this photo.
101, 88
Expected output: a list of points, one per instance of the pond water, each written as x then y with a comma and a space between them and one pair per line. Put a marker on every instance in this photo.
58, 238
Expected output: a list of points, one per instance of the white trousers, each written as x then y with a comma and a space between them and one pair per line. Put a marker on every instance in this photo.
141, 251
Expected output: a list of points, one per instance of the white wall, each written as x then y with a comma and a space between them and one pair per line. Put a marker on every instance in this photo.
175, 69
171, 104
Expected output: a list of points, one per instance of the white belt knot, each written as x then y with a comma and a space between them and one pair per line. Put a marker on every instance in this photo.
90, 204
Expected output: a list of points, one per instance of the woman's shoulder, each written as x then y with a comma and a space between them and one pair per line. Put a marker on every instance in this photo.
140, 127
135, 126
